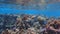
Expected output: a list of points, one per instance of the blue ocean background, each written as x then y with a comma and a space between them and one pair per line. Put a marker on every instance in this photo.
51, 10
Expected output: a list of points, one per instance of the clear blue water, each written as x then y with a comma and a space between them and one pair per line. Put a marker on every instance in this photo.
52, 10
